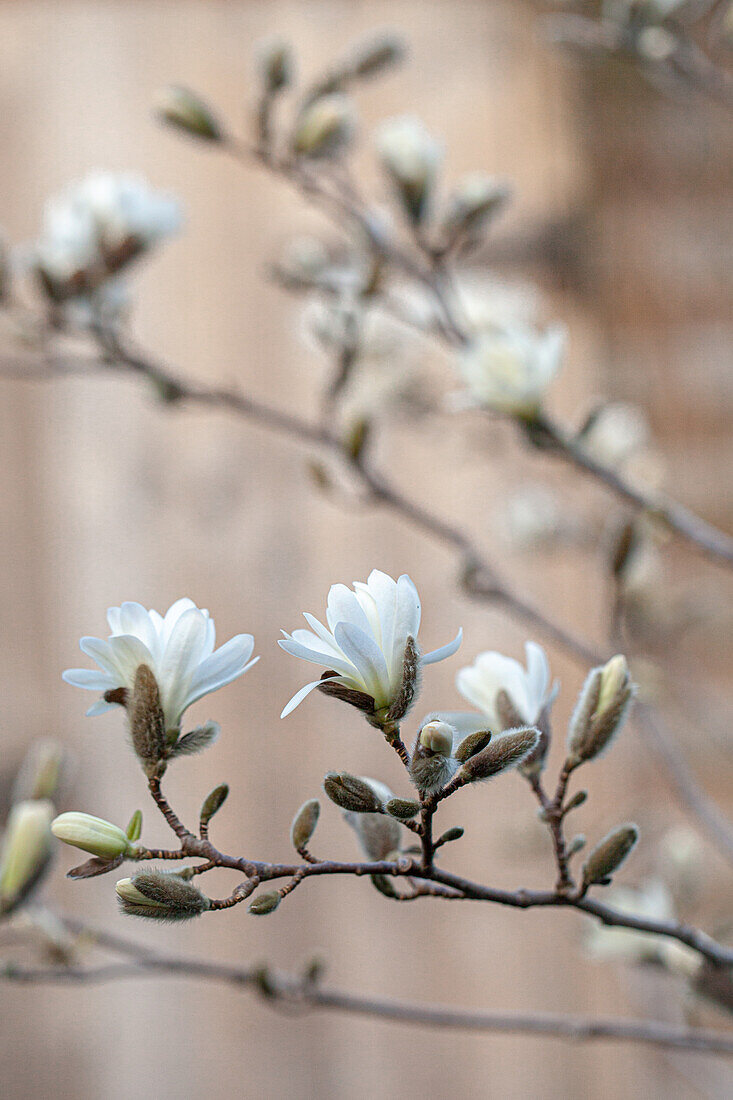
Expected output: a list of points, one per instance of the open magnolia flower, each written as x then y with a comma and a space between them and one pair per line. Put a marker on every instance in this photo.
528, 690
370, 646
510, 371
177, 647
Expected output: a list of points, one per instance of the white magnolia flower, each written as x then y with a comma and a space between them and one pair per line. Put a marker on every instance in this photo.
367, 635
510, 371
177, 647
652, 901
528, 689
100, 222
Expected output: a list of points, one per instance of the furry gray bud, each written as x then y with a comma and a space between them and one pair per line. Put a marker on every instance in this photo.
608, 856
161, 896
472, 744
264, 903
601, 710
501, 753
410, 683
213, 803
304, 824
450, 835
196, 740
147, 724
402, 809
509, 716
351, 793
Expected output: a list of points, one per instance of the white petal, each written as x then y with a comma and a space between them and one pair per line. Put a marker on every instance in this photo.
367, 657
180, 658
299, 697
538, 678
90, 678
101, 652
100, 707
113, 618
229, 662
344, 607
339, 664
134, 619
128, 653
444, 651
173, 614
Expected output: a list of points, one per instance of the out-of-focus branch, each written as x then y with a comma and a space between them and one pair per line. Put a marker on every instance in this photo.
301, 993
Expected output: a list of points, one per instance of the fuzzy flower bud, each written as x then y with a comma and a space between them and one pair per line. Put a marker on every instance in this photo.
379, 834
147, 722
437, 736
501, 753
601, 710
213, 803
608, 856
403, 809
476, 199
25, 852
472, 744
180, 107
352, 793
377, 54
92, 834
304, 824
325, 127
411, 157
432, 764
160, 895
265, 903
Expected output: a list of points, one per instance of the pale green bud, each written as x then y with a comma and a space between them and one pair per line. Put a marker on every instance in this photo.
609, 854
92, 834
437, 736
135, 826
325, 127
26, 851
184, 109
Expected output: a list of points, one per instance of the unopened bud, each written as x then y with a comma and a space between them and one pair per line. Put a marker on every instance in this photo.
351, 793
196, 740
410, 156
476, 199
501, 753
161, 896
608, 856
147, 723
508, 715
180, 107
275, 64
265, 903
213, 803
403, 809
437, 736
455, 833
40, 772
374, 56
91, 834
601, 710
576, 845
304, 824
325, 127
472, 744
25, 852
409, 684
577, 800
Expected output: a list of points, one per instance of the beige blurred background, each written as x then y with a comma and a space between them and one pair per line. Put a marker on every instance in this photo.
106, 497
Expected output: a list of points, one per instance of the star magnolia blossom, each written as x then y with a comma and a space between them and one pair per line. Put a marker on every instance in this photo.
367, 635
177, 647
529, 689
101, 221
408, 150
510, 371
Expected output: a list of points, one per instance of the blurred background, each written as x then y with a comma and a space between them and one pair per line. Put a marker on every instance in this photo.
621, 219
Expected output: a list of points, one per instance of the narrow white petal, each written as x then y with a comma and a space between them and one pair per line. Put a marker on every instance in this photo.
101, 652
344, 607
128, 653
113, 618
444, 651
100, 707
299, 697
339, 664
180, 658
134, 619
367, 657
90, 678
229, 662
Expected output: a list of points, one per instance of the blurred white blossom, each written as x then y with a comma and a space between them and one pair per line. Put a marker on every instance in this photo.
615, 434
528, 689
510, 371
411, 156
99, 224
177, 647
366, 640
652, 901
532, 518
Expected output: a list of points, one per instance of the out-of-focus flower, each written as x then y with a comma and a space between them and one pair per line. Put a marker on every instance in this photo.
510, 371
653, 902
26, 851
379, 835
178, 648
97, 226
657, 10
532, 518
411, 157
615, 433
474, 202
91, 834
528, 690
180, 107
370, 646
